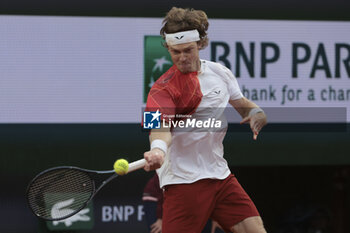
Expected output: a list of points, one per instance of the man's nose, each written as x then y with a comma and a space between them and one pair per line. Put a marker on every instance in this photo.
182, 57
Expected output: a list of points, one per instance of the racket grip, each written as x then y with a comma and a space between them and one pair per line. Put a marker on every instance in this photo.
137, 165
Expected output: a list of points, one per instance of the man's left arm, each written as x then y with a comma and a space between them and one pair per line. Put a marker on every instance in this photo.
250, 113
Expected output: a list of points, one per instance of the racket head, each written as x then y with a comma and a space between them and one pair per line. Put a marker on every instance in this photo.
60, 192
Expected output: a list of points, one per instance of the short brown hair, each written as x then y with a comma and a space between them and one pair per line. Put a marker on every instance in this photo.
179, 19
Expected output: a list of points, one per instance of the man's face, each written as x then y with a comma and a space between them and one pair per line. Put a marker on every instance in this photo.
185, 56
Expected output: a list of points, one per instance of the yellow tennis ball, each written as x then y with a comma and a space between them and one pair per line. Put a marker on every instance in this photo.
121, 167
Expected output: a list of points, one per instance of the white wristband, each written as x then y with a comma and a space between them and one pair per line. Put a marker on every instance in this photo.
254, 111
160, 144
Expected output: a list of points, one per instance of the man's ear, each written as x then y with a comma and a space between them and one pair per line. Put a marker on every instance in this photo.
165, 45
200, 45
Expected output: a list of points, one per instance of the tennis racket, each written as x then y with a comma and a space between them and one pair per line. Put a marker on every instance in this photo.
61, 192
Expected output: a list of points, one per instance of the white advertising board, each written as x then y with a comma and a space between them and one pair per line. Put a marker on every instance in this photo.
91, 69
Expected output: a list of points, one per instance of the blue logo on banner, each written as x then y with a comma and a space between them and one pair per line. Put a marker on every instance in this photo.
151, 120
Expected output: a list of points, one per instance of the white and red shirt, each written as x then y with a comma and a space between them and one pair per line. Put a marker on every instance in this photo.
194, 154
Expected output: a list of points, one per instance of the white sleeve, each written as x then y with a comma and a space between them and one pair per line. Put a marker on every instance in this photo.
233, 87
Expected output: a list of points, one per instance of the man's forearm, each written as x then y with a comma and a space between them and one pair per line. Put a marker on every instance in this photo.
160, 140
163, 134
243, 106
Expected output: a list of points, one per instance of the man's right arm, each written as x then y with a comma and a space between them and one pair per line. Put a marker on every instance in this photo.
160, 140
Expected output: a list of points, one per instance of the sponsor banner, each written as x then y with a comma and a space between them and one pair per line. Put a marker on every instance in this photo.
99, 70
82, 220
122, 214
286, 63
104, 213
157, 60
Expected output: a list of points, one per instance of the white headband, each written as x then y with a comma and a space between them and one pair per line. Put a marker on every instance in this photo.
182, 37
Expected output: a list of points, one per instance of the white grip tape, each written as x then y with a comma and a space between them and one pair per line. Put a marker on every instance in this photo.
160, 144
137, 165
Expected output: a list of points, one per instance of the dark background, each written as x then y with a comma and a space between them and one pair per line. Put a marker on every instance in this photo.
242, 9
292, 176
298, 175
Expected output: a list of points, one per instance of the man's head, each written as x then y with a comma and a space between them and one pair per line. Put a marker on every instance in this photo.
185, 56
185, 33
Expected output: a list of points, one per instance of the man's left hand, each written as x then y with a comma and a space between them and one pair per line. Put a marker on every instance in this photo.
257, 122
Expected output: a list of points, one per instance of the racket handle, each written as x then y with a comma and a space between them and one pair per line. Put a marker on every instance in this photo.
137, 165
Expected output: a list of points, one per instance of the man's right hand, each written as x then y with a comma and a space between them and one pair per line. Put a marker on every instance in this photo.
157, 226
154, 159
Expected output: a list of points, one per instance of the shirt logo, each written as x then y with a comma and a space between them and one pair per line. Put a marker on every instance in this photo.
151, 120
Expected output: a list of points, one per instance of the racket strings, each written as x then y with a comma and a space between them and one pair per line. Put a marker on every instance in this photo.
60, 193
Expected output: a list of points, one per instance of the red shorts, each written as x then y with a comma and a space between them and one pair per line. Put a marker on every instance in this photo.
187, 207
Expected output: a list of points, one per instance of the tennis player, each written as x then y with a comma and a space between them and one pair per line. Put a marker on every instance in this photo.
195, 177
